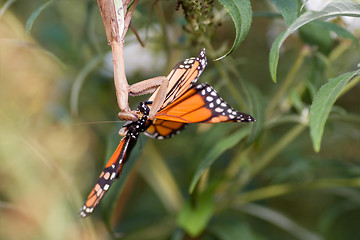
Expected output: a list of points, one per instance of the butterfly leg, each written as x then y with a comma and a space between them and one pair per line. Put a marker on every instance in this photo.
158, 84
123, 131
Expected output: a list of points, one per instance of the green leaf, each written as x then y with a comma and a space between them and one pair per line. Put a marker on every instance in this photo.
341, 32
159, 229
276, 218
258, 111
316, 35
288, 9
216, 151
158, 176
241, 14
193, 218
81, 77
322, 104
333, 9
34, 15
5, 7
230, 228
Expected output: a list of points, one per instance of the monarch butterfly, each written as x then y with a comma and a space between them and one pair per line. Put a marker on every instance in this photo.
117, 161
185, 102
188, 102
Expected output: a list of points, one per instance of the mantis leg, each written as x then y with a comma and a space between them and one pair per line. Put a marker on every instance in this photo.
158, 84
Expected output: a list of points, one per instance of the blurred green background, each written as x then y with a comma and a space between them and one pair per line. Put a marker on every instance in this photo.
56, 81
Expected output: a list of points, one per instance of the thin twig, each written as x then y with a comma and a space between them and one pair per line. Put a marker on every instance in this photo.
137, 35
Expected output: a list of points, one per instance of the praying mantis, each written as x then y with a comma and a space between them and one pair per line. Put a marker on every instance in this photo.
116, 16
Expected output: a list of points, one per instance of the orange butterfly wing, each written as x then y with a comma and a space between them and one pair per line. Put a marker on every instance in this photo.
116, 162
182, 77
108, 175
201, 104
161, 129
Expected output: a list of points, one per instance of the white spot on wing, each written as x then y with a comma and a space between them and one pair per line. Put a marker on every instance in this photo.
99, 192
113, 175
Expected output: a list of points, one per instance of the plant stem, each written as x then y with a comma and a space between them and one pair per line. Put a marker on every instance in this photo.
288, 80
264, 161
339, 50
162, 20
232, 68
283, 189
273, 151
159, 177
225, 76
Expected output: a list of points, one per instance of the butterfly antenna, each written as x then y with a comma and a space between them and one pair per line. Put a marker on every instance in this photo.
96, 122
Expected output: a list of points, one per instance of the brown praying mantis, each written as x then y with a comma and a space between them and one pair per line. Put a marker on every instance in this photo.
116, 15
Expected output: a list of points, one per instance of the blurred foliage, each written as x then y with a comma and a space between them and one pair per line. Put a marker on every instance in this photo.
222, 181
